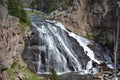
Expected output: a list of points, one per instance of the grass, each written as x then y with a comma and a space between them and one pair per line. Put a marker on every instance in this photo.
16, 68
32, 13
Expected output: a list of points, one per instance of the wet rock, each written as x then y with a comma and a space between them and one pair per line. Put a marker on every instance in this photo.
83, 58
97, 19
76, 76
32, 68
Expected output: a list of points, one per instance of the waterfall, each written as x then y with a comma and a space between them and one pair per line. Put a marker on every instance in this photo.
55, 47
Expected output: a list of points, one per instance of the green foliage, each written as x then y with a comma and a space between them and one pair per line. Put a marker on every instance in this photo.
23, 15
100, 38
52, 5
32, 13
25, 26
31, 76
68, 2
12, 7
12, 70
16, 67
96, 37
54, 75
32, 5
14, 64
1, 2
15, 8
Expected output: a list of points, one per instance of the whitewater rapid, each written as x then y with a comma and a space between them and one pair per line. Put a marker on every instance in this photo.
64, 50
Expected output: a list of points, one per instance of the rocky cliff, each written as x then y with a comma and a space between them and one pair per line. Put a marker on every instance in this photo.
10, 40
94, 19
90, 17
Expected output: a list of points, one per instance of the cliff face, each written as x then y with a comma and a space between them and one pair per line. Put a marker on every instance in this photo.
40, 4
95, 19
10, 39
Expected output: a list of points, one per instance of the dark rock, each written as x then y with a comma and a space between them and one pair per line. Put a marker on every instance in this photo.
96, 20
83, 58
76, 76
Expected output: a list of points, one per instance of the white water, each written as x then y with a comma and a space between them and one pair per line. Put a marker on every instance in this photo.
58, 51
84, 44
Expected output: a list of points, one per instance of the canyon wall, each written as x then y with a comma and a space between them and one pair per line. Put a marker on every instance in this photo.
91, 18
94, 19
11, 42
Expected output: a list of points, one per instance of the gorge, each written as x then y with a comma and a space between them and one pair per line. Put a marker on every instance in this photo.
74, 38
53, 46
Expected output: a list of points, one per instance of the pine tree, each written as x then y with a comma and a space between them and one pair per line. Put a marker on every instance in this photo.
15, 8
32, 5
54, 75
1, 2
22, 15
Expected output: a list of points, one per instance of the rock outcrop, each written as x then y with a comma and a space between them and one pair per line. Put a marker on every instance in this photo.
10, 40
90, 17
40, 4
95, 19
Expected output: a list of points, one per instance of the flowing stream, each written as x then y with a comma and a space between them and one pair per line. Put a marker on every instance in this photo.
55, 47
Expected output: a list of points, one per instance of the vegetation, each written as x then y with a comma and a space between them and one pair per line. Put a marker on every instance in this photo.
16, 69
54, 75
53, 5
15, 8
99, 37
1, 2
68, 2
32, 5
32, 13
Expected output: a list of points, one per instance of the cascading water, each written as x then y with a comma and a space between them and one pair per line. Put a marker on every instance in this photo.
56, 47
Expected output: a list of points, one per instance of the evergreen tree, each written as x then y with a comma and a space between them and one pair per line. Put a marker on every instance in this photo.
32, 5
15, 8
52, 5
22, 15
20, 3
54, 75
1, 2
